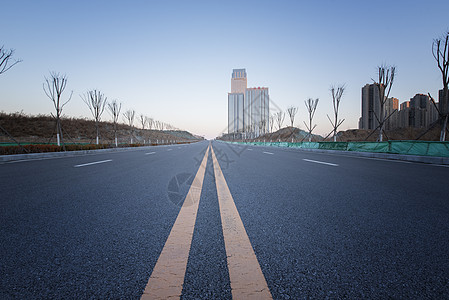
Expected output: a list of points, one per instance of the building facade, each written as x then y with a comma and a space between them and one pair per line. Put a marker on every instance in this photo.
238, 81
257, 110
422, 111
248, 108
419, 112
391, 112
370, 107
235, 112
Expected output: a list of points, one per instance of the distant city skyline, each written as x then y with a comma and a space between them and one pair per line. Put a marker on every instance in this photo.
248, 107
171, 61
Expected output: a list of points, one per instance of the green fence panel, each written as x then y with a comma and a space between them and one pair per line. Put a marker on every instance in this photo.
296, 145
409, 147
342, 146
439, 149
380, 147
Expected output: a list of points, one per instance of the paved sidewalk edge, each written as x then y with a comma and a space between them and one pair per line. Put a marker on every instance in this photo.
403, 157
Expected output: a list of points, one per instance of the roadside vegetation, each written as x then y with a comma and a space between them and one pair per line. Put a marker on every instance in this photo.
37, 134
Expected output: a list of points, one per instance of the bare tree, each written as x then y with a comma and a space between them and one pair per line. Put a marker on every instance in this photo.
440, 51
5, 65
150, 123
292, 110
143, 121
96, 101
114, 109
336, 98
386, 76
129, 119
6, 61
272, 119
311, 105
280, 116
53, 88
263, 126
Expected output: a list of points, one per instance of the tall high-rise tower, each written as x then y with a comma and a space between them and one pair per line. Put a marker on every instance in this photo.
238, 81
248, 108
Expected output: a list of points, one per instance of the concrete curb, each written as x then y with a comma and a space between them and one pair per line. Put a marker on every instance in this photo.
403, 157
47, 155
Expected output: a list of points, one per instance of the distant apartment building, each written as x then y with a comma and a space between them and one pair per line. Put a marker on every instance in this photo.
248, 108
419, 112
391, 112
370, 105
405, 105
404, 115
371, 109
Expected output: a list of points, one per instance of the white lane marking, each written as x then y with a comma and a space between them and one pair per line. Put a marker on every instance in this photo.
321, 162
93, 163
169, 149
250, 149
150, 153
268, 153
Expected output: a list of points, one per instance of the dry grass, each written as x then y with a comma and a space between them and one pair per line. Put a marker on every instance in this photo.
41, 129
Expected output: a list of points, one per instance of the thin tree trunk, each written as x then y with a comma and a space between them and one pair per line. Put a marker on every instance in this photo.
443, 129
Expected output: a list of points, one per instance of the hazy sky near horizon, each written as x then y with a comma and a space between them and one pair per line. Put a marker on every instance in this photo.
172, 60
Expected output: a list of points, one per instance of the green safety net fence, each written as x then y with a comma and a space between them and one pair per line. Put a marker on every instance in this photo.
424, 148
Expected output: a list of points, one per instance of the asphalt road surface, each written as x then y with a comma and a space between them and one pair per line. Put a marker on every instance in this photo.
307, 225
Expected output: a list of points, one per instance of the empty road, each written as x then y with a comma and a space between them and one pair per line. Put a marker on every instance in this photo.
220, 221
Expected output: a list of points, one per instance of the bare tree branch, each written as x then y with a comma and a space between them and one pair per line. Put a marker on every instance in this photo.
6, 61
337, 93
440, 53
114, 109
272, 119
150, 123
129, 119
292, 110
311, 105
53, 88
96, 101
386, 76
280, 116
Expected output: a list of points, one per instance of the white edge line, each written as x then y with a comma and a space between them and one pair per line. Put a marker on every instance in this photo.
93, 163
268, 153
150, 153
320, 162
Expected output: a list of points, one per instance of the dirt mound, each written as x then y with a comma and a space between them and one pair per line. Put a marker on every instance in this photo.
289, 134
286, 134
41, 129
353, 135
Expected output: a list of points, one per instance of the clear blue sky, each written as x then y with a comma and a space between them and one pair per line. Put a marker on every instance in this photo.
172, 60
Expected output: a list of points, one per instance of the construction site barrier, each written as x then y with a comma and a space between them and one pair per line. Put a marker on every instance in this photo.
423, 148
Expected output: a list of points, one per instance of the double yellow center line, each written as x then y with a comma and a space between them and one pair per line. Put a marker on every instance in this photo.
245, 274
